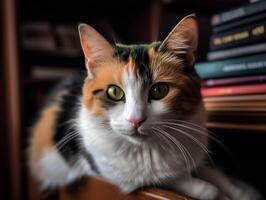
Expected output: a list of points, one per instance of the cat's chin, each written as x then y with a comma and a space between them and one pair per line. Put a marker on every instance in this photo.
137, 138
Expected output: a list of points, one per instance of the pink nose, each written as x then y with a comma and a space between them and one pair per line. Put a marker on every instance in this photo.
136, 122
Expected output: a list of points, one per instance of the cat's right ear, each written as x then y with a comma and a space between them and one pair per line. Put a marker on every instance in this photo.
183, 39
95, 48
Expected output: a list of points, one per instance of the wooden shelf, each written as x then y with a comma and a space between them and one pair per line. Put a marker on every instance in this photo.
101, 190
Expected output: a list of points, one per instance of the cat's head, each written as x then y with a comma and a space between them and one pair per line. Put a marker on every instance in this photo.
135, 88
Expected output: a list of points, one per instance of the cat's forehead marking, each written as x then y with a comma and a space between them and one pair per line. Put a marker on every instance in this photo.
138, 59
152, 53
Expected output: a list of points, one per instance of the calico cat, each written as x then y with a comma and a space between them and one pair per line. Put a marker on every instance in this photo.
136, 118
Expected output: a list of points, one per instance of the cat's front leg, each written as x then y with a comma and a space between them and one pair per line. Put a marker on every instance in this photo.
52, 170
233, 188
197, 188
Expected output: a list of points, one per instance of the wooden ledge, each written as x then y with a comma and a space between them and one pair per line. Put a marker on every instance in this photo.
96, 189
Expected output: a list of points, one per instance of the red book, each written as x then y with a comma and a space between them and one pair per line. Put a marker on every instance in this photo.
234, 90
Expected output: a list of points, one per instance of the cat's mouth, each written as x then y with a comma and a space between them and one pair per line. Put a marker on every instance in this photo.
138, 136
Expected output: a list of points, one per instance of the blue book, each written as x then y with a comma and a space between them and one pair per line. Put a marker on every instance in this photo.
243, 66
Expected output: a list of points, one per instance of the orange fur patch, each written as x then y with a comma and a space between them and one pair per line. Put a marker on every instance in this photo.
107, 74
165, 68
42, 136
152, 53
130, 66
43, 133
184, 90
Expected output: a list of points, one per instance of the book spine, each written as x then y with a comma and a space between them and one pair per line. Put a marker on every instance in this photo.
234, 81
238, 23
250, 65
234, 90
236, 52
241, 36
239, 12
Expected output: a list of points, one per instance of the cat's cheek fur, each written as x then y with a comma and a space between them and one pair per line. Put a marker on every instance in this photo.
159, 108
118, 121
124, 168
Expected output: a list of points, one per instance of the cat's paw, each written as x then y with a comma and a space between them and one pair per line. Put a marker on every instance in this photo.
198, 189
207, 192
245, 193
127, 188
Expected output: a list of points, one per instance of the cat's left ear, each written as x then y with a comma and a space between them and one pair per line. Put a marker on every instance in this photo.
183, 39
95, 47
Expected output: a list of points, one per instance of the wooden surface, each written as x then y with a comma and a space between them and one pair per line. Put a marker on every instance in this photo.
97, 189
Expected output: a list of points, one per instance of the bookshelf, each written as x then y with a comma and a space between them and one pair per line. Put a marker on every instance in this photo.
134, 21
234, 89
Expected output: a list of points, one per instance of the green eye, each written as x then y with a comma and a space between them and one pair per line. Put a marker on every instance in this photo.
159, 91
115, 93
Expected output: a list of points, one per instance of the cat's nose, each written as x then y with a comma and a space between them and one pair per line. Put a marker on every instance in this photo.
136, 122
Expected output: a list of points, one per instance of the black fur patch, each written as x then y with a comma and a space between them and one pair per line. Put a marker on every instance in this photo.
71, 148
142, 61
139, 55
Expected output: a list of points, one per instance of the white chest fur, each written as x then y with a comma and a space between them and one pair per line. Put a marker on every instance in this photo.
134, 168
130, 166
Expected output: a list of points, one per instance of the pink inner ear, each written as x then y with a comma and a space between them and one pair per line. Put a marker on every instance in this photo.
96, 49
89, 63
184, 36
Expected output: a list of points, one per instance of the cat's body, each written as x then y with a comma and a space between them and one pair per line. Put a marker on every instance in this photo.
136, 119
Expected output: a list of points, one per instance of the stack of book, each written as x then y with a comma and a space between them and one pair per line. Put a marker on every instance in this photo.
234, 78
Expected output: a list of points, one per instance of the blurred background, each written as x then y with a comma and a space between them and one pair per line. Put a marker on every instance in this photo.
40, 46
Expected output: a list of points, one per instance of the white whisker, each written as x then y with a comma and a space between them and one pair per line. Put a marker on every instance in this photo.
203, 130
202, 146
186, 134
181, 147
67, 138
